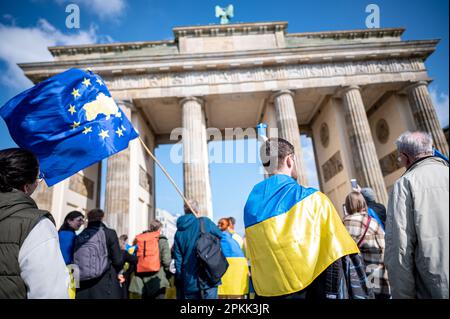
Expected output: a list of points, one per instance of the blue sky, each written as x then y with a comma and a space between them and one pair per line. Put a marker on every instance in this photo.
28, 27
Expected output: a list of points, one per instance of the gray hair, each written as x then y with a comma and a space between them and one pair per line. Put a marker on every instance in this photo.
195, 206
415, 144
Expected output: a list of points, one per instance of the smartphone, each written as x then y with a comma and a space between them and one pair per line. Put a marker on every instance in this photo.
344, 209
354, 183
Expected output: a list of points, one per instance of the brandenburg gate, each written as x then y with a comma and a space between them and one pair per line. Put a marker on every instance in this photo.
353, 92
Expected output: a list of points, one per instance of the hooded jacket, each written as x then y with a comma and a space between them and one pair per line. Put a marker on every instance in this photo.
188, 231
417, 241
31, 264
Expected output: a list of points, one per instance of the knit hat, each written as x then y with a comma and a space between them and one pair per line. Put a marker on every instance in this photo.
368, 193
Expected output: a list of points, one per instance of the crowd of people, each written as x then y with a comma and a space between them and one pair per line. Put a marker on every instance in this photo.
296, 245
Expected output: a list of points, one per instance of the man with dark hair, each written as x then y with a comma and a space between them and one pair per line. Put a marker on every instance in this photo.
95, 215
189, 281
107, 250
293, 233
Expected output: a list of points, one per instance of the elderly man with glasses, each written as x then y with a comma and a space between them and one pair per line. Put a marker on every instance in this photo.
417, 241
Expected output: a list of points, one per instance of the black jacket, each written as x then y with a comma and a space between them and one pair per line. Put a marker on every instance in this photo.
107, 286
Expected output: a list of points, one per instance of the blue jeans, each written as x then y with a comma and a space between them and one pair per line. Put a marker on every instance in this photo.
209, 293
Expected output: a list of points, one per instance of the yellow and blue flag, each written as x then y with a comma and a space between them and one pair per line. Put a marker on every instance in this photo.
293, 234
235, 280
69, 121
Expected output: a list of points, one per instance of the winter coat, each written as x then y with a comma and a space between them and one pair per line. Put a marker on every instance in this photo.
417, 239
372, 250
186, 265
66, 242
380, 210
106, 286
31, 264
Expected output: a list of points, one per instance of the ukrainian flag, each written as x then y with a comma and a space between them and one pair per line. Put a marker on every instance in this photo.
293, 234
235, 279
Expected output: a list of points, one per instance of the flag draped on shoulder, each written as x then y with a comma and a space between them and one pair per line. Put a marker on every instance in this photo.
293, 234
69, 121
235, 280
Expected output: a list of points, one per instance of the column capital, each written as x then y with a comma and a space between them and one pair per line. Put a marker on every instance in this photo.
345, 88
191, 98
276, 94
413, 85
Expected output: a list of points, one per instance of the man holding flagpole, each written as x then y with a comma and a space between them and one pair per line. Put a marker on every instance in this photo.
293, 233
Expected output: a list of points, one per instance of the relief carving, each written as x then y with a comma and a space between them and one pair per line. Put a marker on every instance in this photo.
264, 74
332, 167
389, 163
382, 131
82, 185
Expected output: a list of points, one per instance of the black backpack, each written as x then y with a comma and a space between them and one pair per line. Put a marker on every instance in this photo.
211, 259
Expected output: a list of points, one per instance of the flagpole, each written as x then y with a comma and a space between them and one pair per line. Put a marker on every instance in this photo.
168, 176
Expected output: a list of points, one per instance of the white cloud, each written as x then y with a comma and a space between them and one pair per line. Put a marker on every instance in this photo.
440, 102
104, 9
20, 45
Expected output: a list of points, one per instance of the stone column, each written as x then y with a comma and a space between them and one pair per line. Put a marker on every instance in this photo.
425, 114
365, 158
288, 128
195, 154
117, 197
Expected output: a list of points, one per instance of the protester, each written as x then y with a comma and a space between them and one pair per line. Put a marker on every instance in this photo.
72, 223
152, 274
417, 238
129, 266
190, 283
224, 224
32, 265
98, 255
235, 281
369, 236
236, 236
379, 210
293, 234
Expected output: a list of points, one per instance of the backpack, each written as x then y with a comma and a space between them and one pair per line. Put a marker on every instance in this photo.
148, 252
91, 253
346, 279
211, 259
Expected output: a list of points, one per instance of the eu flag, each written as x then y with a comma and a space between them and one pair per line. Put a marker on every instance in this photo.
69, 121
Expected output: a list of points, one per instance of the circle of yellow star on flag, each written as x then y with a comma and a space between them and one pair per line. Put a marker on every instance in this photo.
86, 82
75, 93
72, 109
119, 132
75, 124
103, 134
87, 129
